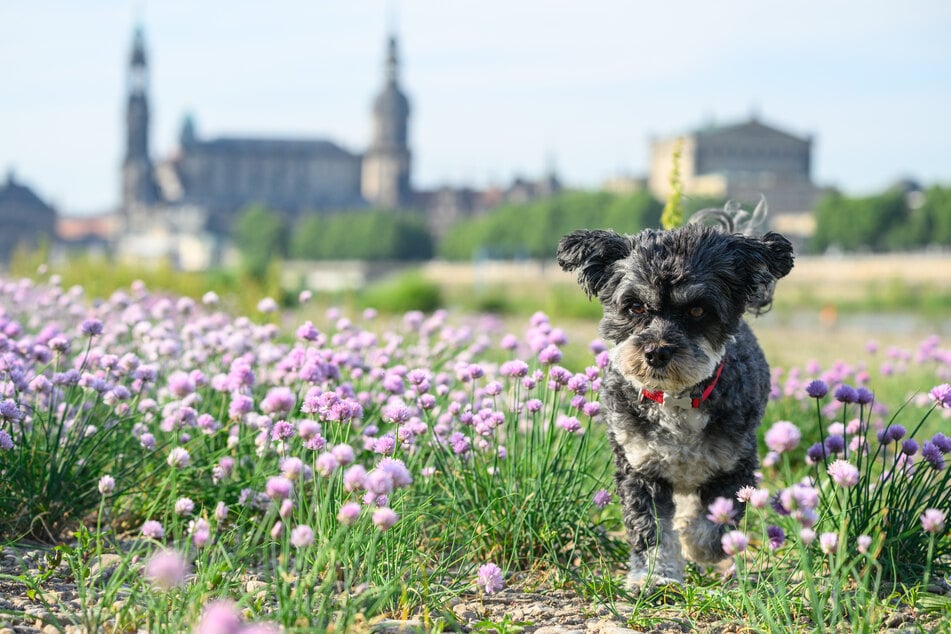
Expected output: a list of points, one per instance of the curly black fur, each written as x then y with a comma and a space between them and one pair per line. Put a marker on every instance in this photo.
673, 312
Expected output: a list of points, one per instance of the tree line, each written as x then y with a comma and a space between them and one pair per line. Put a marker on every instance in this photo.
896, 219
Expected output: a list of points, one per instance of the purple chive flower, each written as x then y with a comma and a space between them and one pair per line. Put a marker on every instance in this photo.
834, 444
570, 424
490, 578
514, 368
942, 442
221, 511
287, 507
941, 394
909, 447
549, 354
817, 388
343, 453
734, 542
267, 305
591, 409
166, 569
326, 464
354, 477
844, 473
892, 433
107, 484
10, 411
460, 443
349, 513
933, 455
863, 543
308, 332
302, 536
828, 542
533, 405
91, 327
184, 506
153, 529
220, 617
864, 396
721, 511
602, 498
846, 394
5, 441
200, 530
178, 458
278, 400
776, 536
385, 444
816, 452
782, 436
932, 521
397, 471
807, 535
384, 518
278, 487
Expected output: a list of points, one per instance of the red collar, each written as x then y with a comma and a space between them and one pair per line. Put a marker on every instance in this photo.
661, 397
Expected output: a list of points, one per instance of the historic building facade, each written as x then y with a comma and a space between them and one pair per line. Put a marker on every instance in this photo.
740, 162
181, 208
217, 177
24, 217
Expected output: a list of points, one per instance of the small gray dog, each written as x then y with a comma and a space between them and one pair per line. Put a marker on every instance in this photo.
687, 383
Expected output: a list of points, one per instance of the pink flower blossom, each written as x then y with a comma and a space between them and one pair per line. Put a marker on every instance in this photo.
349, 513
220, 617
490, 578
844, 473
302, 536
384, 518
721, 511
782, 436
932, 521
734, 542
828, 542
166, 569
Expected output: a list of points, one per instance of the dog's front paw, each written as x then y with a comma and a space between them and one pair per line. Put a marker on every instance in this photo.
644, 580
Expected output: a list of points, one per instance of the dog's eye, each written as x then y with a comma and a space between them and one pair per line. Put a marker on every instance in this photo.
696, 312
637, 308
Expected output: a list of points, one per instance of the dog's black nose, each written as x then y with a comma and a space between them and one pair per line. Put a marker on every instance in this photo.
658, 356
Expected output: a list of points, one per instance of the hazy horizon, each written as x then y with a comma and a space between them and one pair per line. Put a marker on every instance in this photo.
497, 89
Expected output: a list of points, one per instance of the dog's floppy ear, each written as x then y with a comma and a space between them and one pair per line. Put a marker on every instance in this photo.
767, 259
591, 253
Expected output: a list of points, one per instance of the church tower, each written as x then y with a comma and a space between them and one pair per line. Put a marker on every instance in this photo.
385, 179
138, 185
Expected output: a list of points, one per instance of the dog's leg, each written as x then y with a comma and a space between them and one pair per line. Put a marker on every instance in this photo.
648, 508
701, 538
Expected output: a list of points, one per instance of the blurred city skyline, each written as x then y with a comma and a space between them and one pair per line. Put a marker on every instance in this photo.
497, 90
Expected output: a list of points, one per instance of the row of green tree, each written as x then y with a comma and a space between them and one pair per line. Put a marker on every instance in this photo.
263, 236
894, 220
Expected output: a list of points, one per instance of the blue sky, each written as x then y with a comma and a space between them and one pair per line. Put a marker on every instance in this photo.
498, 88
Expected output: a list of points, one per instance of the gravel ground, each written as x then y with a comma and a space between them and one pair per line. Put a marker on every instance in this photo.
513, 609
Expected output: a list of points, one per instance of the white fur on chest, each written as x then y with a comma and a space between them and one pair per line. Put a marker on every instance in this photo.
681, 453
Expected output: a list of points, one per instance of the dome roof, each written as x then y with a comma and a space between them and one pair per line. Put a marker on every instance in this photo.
391, 101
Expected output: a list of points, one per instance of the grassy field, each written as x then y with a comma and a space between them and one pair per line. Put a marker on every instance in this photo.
325, 468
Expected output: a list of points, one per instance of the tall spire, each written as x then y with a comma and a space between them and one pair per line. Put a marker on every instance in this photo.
137, 179
386, 164
392, 61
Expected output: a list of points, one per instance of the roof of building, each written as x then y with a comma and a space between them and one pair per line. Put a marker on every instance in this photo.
751, 125
13, 195
296, 148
